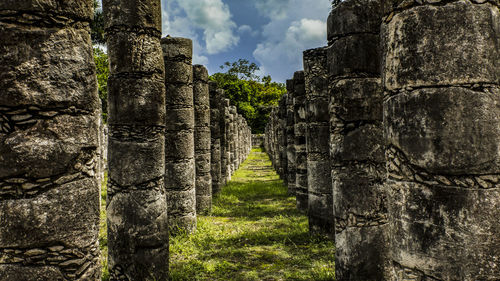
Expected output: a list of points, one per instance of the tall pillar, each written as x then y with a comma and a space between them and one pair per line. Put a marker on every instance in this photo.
136, 202
319, 183
49, 126
215, 137
227, 135
241, 138
202, 140
282, 111
179, 134
357, 154
300, 124
223, 135
441, 117
233, 138
290, 139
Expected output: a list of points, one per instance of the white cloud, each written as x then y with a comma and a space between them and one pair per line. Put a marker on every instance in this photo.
185, 17
273, 8
295, 26
246, 29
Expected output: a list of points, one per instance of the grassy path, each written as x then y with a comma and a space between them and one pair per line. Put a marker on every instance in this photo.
254, 233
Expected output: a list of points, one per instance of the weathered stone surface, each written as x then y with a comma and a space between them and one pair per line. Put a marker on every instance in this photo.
179, 134
123, 105
355, 54
38, 54
452, 235
357, 143
300, 125
447, 115
136, 203
441, 115
142, 56
234, 138
319, 183
202, 139
70, 9
290, 139
352, 17
469, 55
49, 126
135, 16
282, 145
224, 127
215, 136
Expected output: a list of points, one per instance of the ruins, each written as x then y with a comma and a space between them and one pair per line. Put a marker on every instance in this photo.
202, 139
49, 142
388, 140
179, 134
319, 183
136, 189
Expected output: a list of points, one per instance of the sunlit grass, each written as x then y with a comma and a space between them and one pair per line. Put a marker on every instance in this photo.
254, 233
103, 232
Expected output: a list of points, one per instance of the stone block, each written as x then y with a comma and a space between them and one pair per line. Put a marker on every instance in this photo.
356, 54
449, 130
354, 16
445, 232
133, 101
37, 61
133, 14
132, 162
416, 55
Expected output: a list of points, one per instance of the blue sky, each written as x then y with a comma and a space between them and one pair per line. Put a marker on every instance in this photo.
271, 33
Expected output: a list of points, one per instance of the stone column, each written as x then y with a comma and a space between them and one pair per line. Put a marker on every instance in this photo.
223, 135
357, 154
290, 139
441, 117
215, 136
49, 127
233, 139
319, 183
202, 140
179, 134
276, 153
282, 111
241, 138
136, 203
227, 134
300, 124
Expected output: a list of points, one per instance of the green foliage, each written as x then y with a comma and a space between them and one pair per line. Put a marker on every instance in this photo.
97, 25
102, 66
242, 69
255, 232
252, 95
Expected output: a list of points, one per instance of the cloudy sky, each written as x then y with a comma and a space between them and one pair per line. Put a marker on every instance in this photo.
271, 33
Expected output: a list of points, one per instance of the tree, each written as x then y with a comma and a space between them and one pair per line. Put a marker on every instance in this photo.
97, 25
102, 67
253, 97
242, 69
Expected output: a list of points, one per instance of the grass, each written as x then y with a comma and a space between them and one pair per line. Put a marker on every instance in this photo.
254, 232
103, 232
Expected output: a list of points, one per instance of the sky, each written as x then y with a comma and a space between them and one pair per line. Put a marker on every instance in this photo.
271, 33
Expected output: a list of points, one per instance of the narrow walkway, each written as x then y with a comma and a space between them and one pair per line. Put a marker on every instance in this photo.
254, 233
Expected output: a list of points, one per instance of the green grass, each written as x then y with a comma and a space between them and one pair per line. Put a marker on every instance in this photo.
254, 232
103, 232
